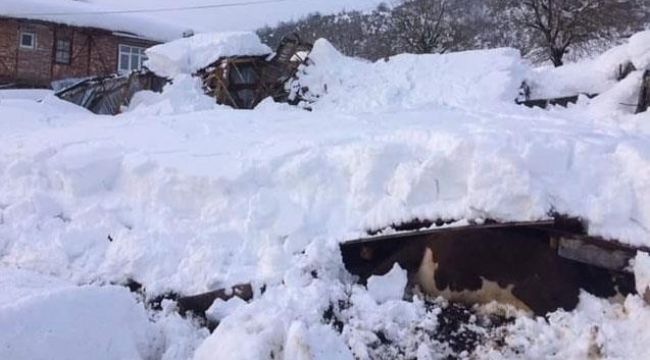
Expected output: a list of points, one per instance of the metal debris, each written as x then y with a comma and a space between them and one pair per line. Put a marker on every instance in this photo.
108, 94
238, 81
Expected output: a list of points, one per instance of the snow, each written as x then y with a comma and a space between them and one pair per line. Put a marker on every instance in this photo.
473, 78
183, 195
592, 76
25, 94
86, 14
596, 329
641, 269
639, 49
388, 287
43, 317
221, 309
187, 55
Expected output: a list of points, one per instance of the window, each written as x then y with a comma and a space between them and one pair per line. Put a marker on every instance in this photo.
130, 58
62, 51
27, 40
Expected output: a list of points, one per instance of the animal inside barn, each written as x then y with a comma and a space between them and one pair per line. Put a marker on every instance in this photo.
534, 266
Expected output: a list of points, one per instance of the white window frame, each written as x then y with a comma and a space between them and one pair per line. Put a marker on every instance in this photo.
20, 40
130, 51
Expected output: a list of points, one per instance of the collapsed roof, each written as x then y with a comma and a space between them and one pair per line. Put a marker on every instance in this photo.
236, 69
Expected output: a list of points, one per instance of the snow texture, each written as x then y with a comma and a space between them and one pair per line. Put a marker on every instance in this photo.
597, 329
187, 55
86, 14
473, 78
641, 269
592, 76
186, 196
44, 318
388, 287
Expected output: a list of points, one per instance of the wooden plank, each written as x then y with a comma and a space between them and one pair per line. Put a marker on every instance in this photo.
589, 252
447, 229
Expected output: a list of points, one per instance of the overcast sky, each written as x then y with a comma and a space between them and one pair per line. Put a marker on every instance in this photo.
248, 17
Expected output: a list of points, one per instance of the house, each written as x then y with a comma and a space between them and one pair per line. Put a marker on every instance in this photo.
43, 41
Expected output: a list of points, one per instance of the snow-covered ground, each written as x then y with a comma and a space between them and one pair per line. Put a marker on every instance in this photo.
182, 195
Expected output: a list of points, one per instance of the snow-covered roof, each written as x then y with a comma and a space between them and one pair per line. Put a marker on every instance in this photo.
84, 14
186, 56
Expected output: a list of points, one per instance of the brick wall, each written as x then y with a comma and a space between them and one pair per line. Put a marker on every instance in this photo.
33, 66
93, 52
8, 49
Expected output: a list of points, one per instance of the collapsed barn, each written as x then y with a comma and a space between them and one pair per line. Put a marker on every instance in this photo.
239, 81
537, 266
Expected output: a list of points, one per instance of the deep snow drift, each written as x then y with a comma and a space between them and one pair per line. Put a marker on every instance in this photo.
188, 196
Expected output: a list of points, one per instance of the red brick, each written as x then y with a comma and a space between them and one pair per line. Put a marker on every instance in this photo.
94, 52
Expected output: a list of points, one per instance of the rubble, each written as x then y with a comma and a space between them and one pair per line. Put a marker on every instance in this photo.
241, 82
108, 94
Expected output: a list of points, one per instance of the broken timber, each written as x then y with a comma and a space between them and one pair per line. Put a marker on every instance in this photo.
569, 237
559, 101
108, 94
241, 82
199, 304
644, 93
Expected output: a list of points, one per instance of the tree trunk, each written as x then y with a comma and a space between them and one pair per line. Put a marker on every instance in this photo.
556, 57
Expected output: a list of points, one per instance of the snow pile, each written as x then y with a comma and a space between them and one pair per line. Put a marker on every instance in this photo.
597, 329
185, 94
45, 318
472, 78
187, 55
592, 76
82, 13
185, 197
638, 49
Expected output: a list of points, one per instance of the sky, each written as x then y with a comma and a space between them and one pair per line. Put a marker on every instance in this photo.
245, 17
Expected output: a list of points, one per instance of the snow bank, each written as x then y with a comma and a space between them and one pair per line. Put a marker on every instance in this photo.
186, 56
72, 12
593, 76
188, 199
595, 330
45, 318
184, 95
472, 78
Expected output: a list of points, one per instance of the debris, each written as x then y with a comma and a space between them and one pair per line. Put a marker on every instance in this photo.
238, 81
198, 304
644, 93
624, 70
244, 81
107, 94
561, 101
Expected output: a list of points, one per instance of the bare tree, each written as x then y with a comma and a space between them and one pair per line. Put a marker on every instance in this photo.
422, 26
558, 25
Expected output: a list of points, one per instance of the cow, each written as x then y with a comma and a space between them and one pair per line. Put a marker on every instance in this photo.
515, 266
